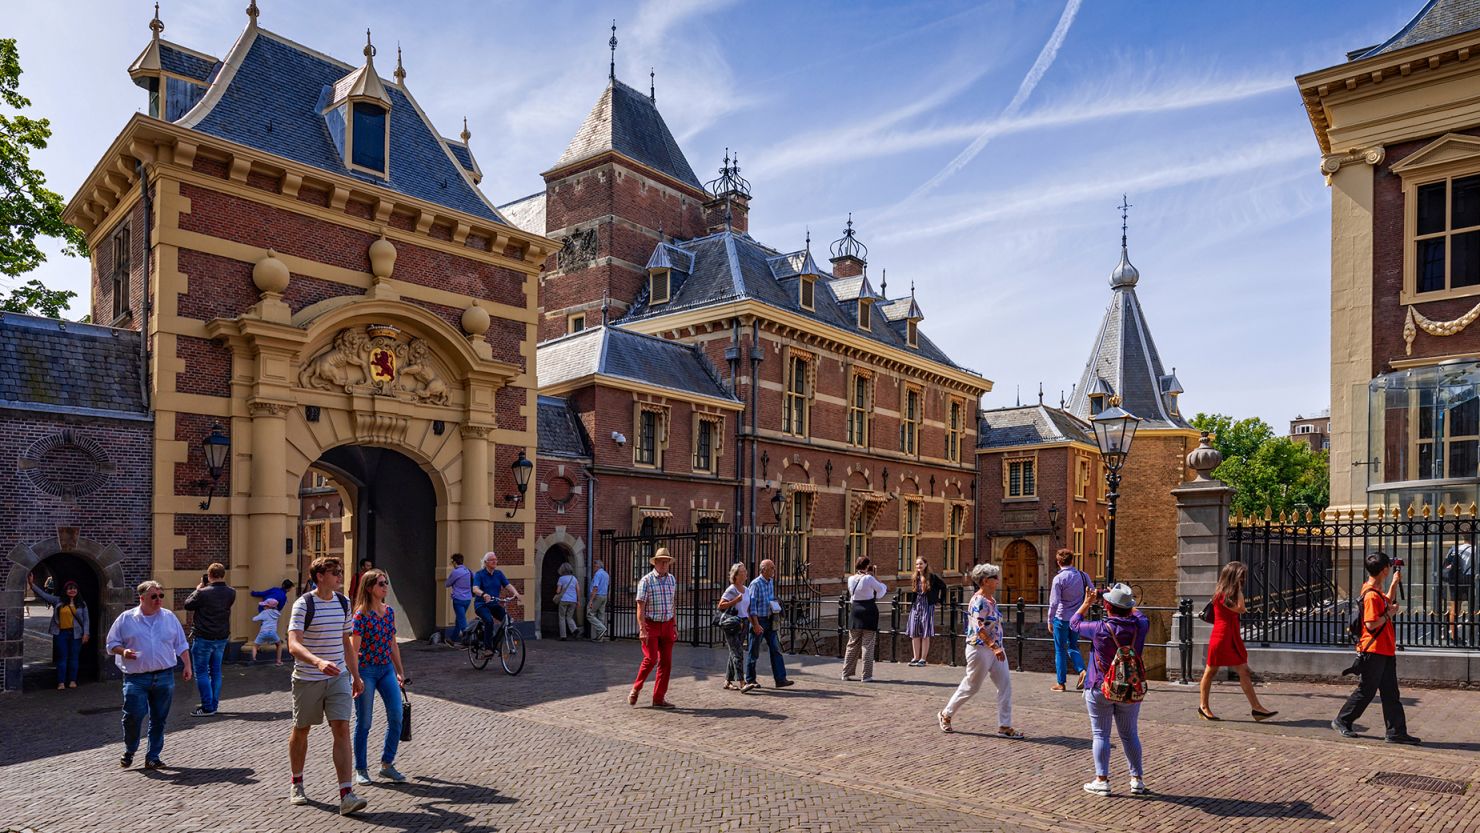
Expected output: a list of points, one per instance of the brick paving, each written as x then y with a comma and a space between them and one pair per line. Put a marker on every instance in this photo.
558, 749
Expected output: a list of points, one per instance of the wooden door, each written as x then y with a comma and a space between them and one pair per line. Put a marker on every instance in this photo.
1019, 573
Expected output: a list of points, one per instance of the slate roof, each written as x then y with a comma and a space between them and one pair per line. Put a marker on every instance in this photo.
1436, 20
527, 213
1124, 361
730, 266
180, 61
628, 122
614, 351
267, 97
63, 366
560, 432
1030, 425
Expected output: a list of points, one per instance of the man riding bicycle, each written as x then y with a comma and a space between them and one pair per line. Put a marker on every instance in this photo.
489, 585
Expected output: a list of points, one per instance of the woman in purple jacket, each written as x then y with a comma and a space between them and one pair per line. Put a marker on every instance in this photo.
1127, 626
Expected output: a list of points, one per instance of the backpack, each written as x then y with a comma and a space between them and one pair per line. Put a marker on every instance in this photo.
1459, 566
1125, 679
308, 614
1356, 626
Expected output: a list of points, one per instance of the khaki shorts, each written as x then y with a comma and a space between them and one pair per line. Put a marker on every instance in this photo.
313, 700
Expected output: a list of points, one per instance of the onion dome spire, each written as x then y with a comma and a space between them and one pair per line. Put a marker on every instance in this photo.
1124, 276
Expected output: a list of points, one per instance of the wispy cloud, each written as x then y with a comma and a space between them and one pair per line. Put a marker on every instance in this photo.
1045, 59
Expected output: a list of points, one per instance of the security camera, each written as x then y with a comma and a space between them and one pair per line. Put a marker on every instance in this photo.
619, 438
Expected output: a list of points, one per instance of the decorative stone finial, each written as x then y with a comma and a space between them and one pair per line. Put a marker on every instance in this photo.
369, 49
476, 321
465, 135
270, 274
382, 258
252, 13
1204, 459
156, 25
400, 72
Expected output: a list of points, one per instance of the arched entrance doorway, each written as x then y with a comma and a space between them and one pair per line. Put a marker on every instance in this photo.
1020, 572
549, 578
39, 657
395, 522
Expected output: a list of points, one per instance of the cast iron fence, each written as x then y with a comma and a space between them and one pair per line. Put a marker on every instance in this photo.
1306, 573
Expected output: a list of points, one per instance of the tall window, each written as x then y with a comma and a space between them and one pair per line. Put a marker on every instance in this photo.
1081, 480
315, 539
858, 411
794, 418
909, 422
955, 529
798, 521
1447, 234
1079, 540
909, 535
808, 289
1459, 452
1022, 478
857, 546
646, 452
369, 137
121, 269
865, 314
912, 333
1100, 541
953, 432
706, 434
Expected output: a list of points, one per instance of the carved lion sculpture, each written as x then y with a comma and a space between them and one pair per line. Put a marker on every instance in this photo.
340, 367
420, 379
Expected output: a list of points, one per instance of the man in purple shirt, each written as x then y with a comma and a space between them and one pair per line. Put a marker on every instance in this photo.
1065, 597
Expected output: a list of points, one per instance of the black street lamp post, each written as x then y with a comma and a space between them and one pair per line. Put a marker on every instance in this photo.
1114, 430
522, 469
215, 447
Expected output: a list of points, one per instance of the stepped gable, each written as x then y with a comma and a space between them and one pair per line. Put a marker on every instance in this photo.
67, 367
627, 122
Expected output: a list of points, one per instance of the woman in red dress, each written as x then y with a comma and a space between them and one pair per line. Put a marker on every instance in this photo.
1226, 644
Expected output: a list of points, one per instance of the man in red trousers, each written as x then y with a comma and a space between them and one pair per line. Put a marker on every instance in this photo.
656, 628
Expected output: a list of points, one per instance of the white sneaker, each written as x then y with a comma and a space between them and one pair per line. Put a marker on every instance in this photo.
351, 803
390, 773
1138, 787
362, 778
1098, 787
296, 795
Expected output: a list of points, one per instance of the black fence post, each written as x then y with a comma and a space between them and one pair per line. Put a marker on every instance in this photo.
894, 626
842, 622
1184, 638
1022, 609
953, 598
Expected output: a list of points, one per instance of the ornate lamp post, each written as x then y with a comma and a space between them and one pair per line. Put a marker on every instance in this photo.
1053, 525
778, 504
1114, 430
522, 469
216, 446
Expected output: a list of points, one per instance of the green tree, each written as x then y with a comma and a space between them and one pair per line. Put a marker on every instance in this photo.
28, 210
1265, 470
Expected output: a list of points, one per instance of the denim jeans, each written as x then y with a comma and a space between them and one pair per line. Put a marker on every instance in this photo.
460, 610
381, 678
773, 643
1065, 650
69, 653
147, 695
205, 659
489, 613
1102, 713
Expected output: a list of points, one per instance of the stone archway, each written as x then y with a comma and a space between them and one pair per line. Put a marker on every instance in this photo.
561, 540
115, 596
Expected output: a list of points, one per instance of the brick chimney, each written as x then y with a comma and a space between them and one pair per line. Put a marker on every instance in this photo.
849, 255
729, 207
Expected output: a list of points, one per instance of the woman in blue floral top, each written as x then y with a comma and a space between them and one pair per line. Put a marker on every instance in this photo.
985, 653
374, 641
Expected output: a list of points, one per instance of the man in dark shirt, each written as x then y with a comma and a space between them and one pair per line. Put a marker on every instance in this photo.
489, 585
211, 603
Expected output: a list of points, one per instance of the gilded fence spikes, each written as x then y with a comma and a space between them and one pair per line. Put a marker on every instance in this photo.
1472, 508
1441, 511
1426, 510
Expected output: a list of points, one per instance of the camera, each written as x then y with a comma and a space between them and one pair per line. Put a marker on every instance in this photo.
1397, 563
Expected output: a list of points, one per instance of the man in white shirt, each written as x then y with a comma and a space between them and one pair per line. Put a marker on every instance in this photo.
601, 588
146, 642
326, 678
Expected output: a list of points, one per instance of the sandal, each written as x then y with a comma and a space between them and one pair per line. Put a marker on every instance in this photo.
944, 720
1011, 733
729, 686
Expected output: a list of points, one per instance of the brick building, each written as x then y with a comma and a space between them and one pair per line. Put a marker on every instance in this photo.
1313, 430
319, 282
816, 384
1398, 127
1043, 480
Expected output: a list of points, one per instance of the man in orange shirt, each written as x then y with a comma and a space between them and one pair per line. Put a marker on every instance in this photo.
1378, 662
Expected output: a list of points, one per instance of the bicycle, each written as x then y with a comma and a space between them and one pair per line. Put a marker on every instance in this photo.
510, 647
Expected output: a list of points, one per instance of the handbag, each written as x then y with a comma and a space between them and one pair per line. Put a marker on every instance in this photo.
1207, 612
405, 715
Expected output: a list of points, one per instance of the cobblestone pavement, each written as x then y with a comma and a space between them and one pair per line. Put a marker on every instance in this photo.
558, 749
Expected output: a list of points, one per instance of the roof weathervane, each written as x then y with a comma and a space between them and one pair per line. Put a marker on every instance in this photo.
653, 85
809, 240
884, 283
611, 73
1040, 393
156, 25
848, 245
401, 74
1125, 208
252, 12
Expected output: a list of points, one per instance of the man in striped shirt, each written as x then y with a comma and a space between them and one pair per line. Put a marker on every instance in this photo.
326, 678
763, 610
656, 628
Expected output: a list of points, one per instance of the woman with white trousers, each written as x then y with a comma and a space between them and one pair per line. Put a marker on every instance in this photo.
986, 655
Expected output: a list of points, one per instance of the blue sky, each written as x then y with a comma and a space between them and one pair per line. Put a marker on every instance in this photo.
982, 146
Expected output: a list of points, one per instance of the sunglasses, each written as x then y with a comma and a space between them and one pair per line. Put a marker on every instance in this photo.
333, 573
154, 595
382, 583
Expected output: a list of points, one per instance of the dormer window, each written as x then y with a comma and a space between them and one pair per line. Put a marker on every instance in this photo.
807, 289
865, 313
369, 136
912, 333
1096, 403
659, 286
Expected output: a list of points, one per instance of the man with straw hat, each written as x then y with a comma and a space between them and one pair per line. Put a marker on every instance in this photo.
656, 627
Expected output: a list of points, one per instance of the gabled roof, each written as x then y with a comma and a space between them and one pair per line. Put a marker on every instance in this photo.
1124, 362
794, 264
729, 266
560, 432
66, 367
175, 59
526, 213
1437, 19
265, 97
1031, 425
628, 122
613, 351
901, 309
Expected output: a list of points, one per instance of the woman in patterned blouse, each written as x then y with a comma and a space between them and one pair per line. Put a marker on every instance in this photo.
986, 655
374, 641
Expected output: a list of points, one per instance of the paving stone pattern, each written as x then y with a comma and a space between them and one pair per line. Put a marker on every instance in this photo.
558, 749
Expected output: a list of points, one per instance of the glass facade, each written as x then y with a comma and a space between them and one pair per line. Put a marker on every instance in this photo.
1423, 437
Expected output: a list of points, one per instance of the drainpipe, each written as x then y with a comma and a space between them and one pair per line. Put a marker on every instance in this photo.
756, 356
732, 358
590, 523
148, 251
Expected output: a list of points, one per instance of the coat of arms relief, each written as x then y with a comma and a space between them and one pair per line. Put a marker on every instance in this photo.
375, 360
